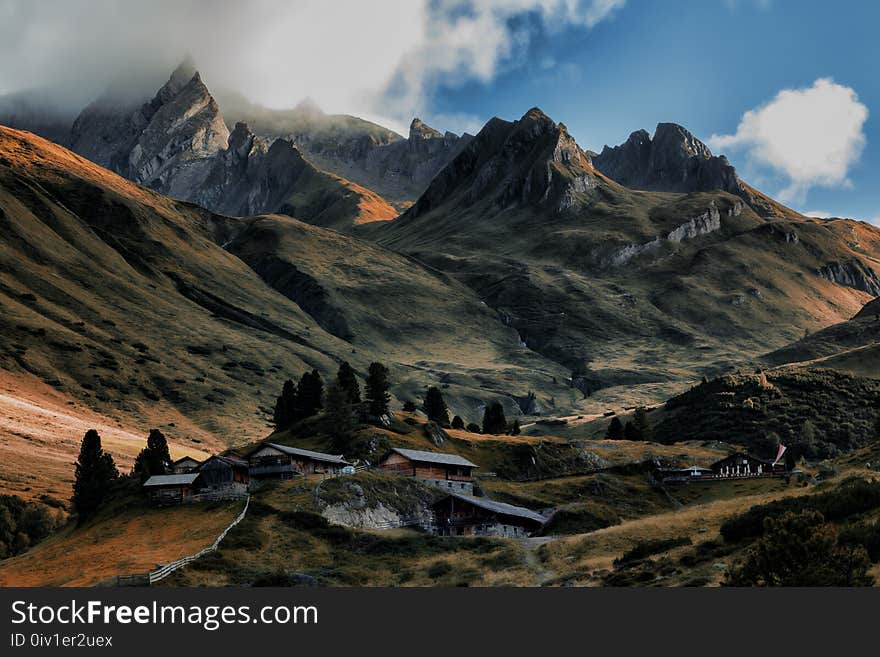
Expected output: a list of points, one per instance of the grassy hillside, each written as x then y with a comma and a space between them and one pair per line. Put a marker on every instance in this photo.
126, 537
756, 410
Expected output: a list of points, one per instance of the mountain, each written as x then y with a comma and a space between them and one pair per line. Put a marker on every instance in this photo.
676, 161
179, 145
397, 168
124, 304
252, 174
622, 286
852, 346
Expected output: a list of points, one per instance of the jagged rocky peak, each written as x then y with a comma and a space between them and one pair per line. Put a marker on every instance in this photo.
420, 130
530, 162
672, 161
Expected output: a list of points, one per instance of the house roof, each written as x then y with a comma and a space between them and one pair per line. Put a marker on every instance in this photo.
500, 507
171, 480
307, 453
741, 455
434, 457
228, 460
186, 458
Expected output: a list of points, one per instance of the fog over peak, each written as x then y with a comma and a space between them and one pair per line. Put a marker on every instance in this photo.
377, 59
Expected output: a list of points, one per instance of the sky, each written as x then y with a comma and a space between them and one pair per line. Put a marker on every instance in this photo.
787, 89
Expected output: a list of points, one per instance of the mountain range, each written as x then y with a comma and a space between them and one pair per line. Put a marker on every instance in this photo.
164, 262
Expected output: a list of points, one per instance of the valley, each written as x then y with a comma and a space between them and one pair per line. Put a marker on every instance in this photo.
170, 261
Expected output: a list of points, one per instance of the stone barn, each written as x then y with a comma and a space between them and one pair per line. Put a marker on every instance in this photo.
466, 515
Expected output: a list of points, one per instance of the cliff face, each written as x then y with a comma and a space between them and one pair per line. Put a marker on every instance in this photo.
178, 144
676, 161
530, 162
673, 161
166, 144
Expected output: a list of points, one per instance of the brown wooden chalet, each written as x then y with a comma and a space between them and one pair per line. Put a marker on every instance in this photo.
273, 461
185, 465
465, 515
173, 488
448, 471
224, 475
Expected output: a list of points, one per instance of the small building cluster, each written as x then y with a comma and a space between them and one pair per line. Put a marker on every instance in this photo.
459, 513
736, 466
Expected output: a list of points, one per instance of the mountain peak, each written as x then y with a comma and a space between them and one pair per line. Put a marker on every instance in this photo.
672, 161
420, 130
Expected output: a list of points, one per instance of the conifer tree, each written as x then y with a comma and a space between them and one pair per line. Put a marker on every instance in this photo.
95, 471
494, 421
515, 429
285, 407
309, 395
615, 429
457, 423
377, 389
435, 407
155, 458
346, 379
641, 424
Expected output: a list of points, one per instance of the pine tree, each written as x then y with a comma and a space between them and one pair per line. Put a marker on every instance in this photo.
309, 395
346, 379
339, 412
515, 430
155, 458
95, 471
285, 407
377, 389
641, 424
615, 429
457, 423
494, 421
435, 407
630, 432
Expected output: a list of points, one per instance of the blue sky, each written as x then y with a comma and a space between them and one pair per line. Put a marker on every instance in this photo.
787, 89
702, 64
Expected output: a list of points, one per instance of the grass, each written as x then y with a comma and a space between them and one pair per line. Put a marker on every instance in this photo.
126, 538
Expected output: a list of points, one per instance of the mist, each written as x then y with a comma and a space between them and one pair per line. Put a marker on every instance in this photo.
379, 59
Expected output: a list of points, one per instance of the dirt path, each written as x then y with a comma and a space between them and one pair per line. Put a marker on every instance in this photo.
532, 562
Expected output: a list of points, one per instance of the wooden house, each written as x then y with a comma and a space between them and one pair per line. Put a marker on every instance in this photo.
185, 465
170, 489
465, 515
224, 476
273, 461
448, 471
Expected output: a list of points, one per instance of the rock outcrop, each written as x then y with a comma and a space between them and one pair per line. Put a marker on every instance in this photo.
854, 274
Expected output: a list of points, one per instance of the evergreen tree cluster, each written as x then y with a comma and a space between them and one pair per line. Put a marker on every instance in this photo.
154, 459
306, 399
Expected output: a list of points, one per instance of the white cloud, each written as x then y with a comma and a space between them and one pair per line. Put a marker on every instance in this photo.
812, 136
818, 214
379, 58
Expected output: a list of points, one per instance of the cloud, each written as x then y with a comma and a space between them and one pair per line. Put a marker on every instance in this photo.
818, 214
812, 136
380, 58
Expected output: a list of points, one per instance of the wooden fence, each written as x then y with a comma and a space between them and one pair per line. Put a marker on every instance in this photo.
169, 568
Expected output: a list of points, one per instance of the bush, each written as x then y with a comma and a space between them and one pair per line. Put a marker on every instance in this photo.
22, 524
853, 496
800, 549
